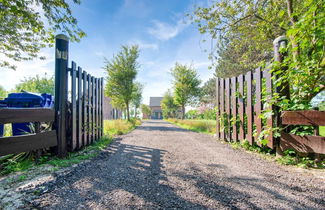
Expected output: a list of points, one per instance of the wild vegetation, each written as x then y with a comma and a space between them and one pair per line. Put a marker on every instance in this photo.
30, 25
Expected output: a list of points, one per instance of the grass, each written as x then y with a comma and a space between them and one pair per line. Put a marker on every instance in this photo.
202, 126
322, 130
24, 161
290, 157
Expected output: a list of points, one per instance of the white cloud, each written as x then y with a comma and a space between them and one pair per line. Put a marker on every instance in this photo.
143, 45
165, 31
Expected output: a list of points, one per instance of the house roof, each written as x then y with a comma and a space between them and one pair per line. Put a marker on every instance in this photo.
155, 101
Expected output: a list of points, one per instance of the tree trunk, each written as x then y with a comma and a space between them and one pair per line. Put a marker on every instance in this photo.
127, 111
183, 112
135, 112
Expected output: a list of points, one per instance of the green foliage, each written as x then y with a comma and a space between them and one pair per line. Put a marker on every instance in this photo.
145, 109
121, 74
36, 84
186, 85
137, 97
119, 127
168, 106
3, 92
29, 25
208, 93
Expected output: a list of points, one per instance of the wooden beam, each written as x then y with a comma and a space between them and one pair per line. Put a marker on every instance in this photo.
305, 144
20, 115
308, 117
25, 143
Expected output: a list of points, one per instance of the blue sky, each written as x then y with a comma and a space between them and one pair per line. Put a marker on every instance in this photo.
160, 28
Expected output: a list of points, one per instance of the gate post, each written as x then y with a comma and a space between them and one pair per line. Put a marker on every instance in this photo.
61, 91
283, 90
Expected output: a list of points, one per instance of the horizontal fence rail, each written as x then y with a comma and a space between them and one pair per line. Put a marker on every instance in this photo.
20, 115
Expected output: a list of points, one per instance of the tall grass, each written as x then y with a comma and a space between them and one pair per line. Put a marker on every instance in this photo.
204, 126
119, 127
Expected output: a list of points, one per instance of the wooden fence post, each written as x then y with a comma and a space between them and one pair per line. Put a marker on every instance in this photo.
61, 91
278, 44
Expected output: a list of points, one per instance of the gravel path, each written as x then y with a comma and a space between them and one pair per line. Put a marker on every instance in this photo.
160, 166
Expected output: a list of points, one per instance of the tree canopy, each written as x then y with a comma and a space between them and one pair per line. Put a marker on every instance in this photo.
3, 92
145, 109
26, 26
121, 72
36, 84
245, 31
186, 85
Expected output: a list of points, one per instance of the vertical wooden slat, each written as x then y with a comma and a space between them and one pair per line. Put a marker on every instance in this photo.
249, 108
102, 107
73, 108
258, 103
269, 121
84, 108
222, 107
241, 108
227, 102
218, 108
89, 119
93, 108
97, 108
79, 109
234, 107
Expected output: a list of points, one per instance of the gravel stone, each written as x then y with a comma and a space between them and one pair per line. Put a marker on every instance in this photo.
161, 166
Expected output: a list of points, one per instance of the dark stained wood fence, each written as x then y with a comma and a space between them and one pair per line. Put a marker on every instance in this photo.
239, 106
77, 113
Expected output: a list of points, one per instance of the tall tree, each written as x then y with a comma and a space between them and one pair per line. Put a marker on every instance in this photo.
168, 105
36, 84
186, 85
121, 74
137, 97
145, 109
29, 25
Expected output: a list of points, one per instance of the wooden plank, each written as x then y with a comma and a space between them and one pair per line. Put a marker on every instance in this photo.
249, 108
20, 115
227, 104
102, 107
308, 117
89, 119
270, 119
97, 108
305, 144
25, 143
218, 108
79, 109
234, 108
73, 108
258, 103
241, 108
93, 109
84, 108
222, 106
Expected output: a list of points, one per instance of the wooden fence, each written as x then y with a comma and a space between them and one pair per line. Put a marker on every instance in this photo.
241, 101
77, 114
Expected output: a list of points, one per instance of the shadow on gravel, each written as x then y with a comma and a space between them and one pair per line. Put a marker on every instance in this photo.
238, 192
117, 178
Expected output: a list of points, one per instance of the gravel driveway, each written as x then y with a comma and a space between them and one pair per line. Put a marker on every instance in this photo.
161, 166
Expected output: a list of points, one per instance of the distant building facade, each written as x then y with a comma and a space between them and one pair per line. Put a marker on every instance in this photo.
156, 111
109, 112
